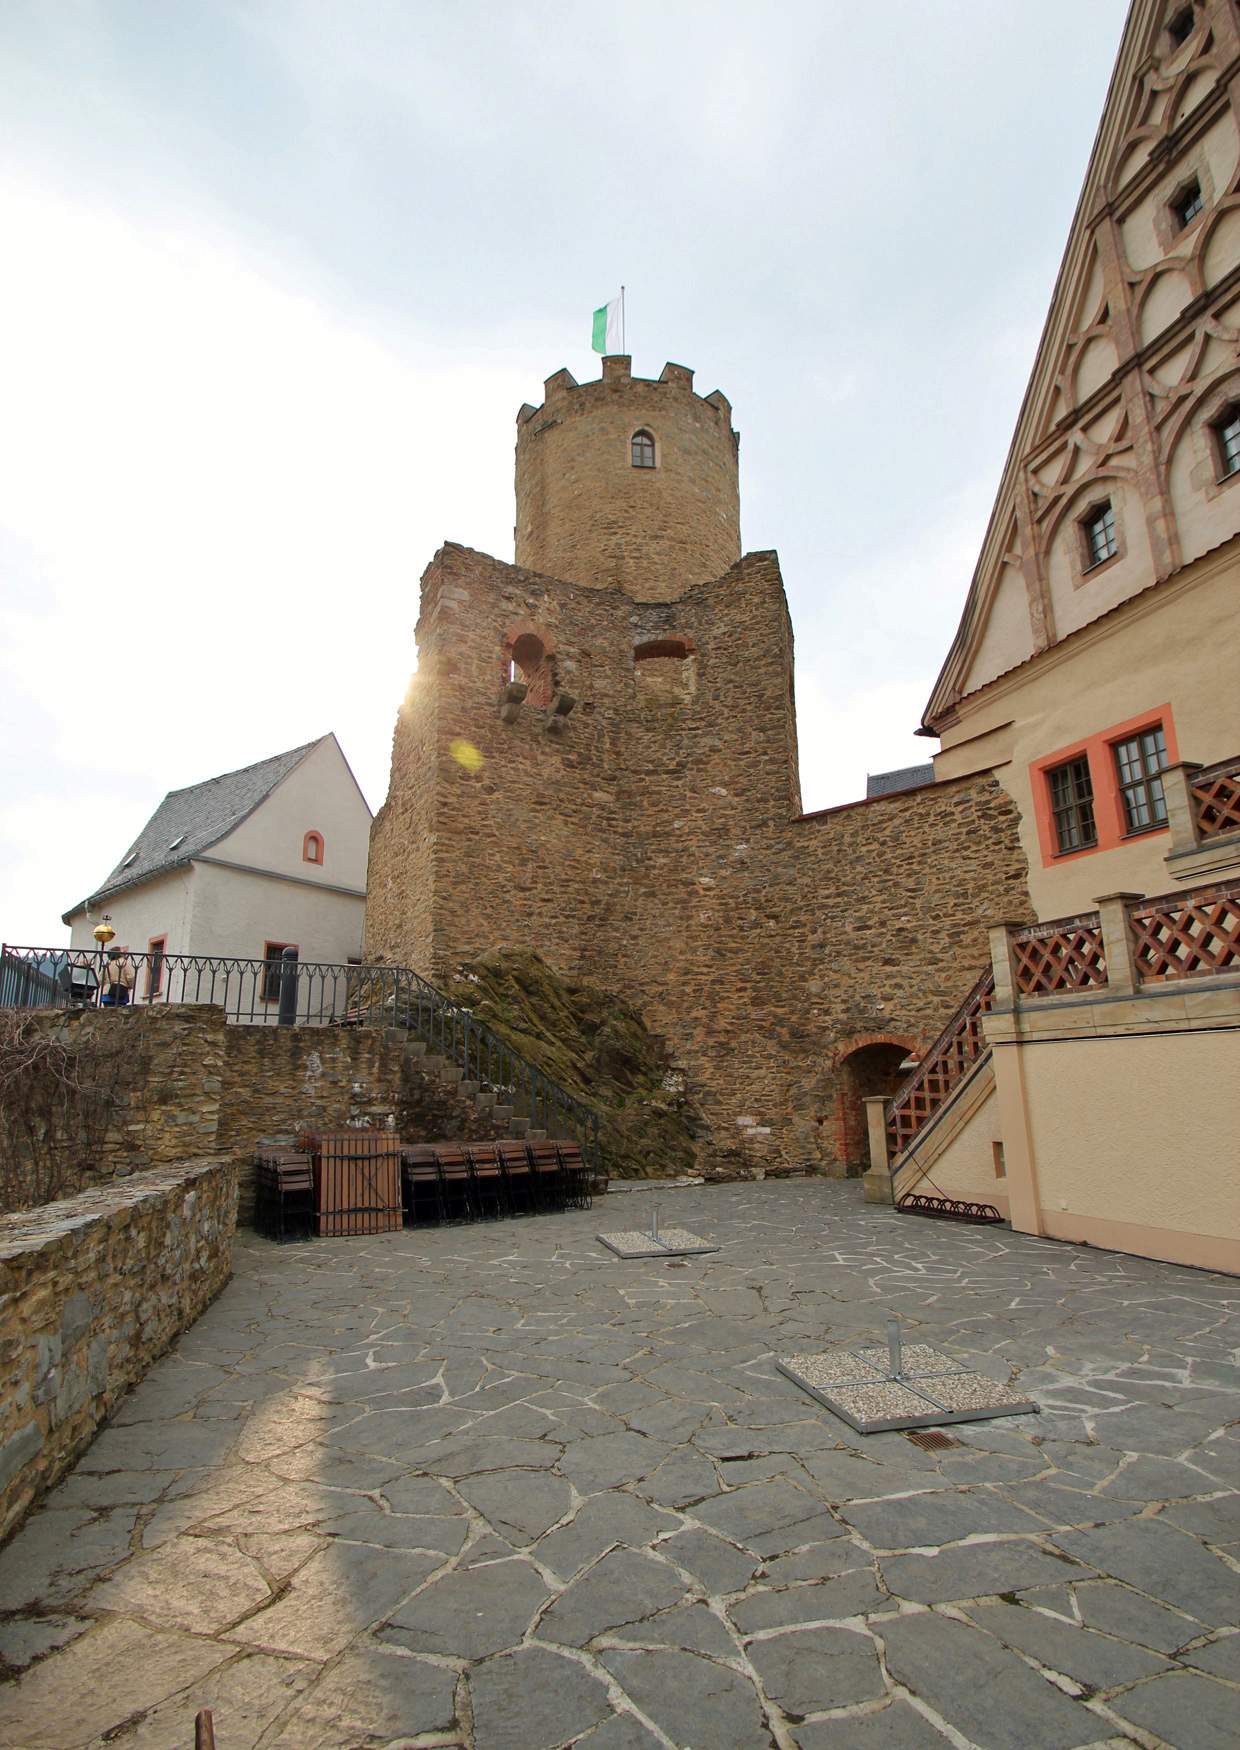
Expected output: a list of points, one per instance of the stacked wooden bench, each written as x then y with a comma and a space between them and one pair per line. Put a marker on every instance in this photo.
454, 1181
284, 1196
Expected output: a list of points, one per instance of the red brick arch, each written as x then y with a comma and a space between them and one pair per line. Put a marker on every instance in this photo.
845, 1127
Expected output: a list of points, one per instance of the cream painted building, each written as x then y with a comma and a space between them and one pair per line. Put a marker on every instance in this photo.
241, 867
1096, 672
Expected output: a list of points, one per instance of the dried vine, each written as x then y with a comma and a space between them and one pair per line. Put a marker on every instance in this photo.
59, 1091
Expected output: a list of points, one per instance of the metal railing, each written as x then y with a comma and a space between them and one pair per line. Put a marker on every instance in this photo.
291, 992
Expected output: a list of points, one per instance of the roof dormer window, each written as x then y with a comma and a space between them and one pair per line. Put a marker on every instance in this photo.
179, 840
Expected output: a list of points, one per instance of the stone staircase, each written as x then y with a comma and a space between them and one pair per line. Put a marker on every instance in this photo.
485, 1101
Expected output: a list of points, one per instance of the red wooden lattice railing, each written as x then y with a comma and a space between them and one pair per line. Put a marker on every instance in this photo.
1187, 935
953, 1054
1216, 798
1064, 954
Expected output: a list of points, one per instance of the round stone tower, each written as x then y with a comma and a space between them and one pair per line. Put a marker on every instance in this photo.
629, 483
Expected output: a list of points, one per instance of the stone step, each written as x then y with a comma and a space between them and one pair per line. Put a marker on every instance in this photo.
536, 1136
471, 1089
485, 1099
432, 1064
501, 1114
452, 1073
415, 1047
518, 1126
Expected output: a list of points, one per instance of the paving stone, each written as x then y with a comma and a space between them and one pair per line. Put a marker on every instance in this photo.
400, 1530
598, 1524
680, 1480
56, 1555
1066, 1508
986, 1692
520, 1504
422, 1496
469, 1615
195, 1583
718, 1564
344, 1589
841, 1476
684, 1693
852, 1594
161, 1446
1163, 1562
607, 1461
370, 1696
974, 1571
25, 1638
768, 1517
690, 1626
1184, 1708
536, 1699
245, 1697
1098, 1661
896, 1727
1157, 1479
1221, 1658
624, 1587
621, 1732
807, 1670
923, 1521
1119, 1611
1216, 1522
470, 1457
99, 1680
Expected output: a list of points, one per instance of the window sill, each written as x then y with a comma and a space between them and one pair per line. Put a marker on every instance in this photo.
1144, 832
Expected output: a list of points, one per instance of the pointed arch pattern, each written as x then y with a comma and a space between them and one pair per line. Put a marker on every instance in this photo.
1142, 341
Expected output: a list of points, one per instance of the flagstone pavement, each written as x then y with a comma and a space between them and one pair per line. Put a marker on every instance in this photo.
492, 1486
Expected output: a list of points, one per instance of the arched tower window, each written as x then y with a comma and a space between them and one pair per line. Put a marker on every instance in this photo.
529, 657
641, 447
312, 848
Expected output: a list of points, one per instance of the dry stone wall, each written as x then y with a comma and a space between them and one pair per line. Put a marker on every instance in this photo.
93, 1289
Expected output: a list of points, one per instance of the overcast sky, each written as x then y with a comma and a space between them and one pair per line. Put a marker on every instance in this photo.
277, 275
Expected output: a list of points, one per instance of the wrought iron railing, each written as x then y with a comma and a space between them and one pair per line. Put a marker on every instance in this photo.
292, 992
1215, 791
958, 1047
1060, 955
1187, 935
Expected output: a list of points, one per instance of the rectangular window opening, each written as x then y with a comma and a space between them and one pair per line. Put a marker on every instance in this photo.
1072, 806
273, 954
1000, 1165
1188, 203
1139, 762
1227, 441
1100, 537
155, 948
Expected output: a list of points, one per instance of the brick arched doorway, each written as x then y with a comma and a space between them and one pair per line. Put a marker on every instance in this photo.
865, 1067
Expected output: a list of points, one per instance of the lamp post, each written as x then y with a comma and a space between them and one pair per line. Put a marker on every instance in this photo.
103, 934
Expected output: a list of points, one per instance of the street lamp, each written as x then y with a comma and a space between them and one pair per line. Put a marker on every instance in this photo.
103, 934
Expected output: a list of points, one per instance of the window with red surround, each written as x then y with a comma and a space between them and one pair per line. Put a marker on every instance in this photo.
156, 949
312, 848
1095, 793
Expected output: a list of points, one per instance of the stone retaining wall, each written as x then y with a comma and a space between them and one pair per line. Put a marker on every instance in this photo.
187, 1084
92, 1291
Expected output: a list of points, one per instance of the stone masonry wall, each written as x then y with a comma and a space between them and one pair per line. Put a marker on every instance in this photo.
151, 1097
282, 1080
584, 512
92, 1291
652, 844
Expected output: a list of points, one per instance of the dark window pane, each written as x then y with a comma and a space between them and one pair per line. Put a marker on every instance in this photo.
1072, 805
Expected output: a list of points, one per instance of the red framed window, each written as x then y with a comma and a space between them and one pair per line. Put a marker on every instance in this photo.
312, 848
156, 948
1095, 793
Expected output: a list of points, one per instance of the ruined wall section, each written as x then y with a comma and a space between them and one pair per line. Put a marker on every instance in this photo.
584, 512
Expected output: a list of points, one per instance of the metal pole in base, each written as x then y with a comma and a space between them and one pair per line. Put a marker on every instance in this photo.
894, 1349
654, 1224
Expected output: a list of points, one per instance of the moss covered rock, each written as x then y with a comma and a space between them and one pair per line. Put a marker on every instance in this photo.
597, 1047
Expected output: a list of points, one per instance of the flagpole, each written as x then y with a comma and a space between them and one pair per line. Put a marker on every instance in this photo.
624, 336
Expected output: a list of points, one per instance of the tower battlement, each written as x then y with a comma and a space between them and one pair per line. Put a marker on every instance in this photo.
628, 482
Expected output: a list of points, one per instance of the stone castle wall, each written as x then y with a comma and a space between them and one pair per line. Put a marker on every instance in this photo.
651, 843
584, 512
92, 1291
194, 1085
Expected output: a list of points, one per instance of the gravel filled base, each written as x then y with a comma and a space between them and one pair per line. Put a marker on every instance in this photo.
932, 1388
673, 1242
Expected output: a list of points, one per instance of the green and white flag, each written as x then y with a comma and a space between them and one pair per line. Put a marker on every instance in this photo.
609, 326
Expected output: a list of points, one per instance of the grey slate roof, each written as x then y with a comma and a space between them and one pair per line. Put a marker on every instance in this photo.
188, 822
905, 778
